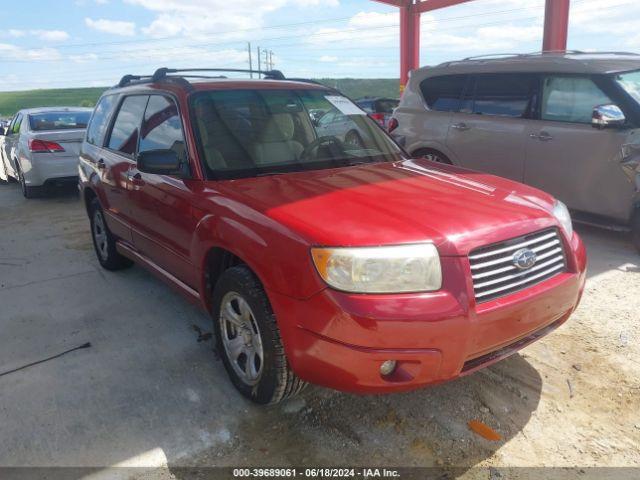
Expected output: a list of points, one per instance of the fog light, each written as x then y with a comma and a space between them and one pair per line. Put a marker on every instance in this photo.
387, 367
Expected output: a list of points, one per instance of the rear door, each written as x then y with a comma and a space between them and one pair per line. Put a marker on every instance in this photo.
488, 133
162, 217
11, 142
116, 160
569, 158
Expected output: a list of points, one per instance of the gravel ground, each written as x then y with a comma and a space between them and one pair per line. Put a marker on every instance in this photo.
571, 399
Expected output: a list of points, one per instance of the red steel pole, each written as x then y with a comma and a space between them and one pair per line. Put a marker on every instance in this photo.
556, 25
409, 41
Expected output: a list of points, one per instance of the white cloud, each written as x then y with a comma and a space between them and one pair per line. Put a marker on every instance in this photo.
115, 27
13, 52
83, 57
199, 18
374, 29
328, 58
45, 35
51, 35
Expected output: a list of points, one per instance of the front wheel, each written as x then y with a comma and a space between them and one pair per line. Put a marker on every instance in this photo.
248, 339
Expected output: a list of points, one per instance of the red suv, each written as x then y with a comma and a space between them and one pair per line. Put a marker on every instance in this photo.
348, 265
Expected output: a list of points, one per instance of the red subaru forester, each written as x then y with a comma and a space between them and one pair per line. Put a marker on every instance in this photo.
323, 252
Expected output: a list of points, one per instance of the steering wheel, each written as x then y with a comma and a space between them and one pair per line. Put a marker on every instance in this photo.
327, 141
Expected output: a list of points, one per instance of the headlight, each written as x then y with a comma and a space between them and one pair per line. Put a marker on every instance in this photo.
561, 212
397, 269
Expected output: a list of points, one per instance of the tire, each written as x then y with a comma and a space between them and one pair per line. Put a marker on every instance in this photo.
635, 229
104, 242
27, 191
248, 339
433, 155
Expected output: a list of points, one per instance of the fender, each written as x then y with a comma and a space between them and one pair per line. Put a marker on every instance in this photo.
279, 258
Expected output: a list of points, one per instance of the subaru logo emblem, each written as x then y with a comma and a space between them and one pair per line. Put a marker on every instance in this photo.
524, 258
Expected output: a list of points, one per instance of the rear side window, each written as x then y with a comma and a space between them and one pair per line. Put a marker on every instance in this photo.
161, 129
58, 121
126, 128
570, 99
16, 124
505, 95
100, 120
443, 93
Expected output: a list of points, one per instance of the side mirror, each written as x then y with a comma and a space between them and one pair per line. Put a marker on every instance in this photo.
607, 116
160, 162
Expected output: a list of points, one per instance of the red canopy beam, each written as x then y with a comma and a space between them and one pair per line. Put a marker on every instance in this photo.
556, 25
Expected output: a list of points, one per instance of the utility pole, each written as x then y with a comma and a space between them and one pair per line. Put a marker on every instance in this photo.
271, 59
259, 59
250, 61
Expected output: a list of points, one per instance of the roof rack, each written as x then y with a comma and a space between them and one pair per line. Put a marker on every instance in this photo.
498, 56
269, 74
165, 73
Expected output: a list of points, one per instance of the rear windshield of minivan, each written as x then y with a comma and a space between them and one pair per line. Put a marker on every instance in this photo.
58, 121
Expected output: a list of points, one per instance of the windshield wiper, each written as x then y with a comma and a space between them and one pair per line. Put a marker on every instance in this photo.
269, 174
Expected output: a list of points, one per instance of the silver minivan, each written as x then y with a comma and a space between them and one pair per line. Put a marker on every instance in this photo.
565, 123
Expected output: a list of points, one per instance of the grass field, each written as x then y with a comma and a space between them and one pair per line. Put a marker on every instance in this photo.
10, 102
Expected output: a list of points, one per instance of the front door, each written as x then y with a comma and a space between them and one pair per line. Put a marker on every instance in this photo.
117, 159
163, 218
488, 132
570, 159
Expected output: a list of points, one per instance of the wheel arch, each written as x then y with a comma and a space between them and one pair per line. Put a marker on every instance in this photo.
435, 146
273, 254
88, 195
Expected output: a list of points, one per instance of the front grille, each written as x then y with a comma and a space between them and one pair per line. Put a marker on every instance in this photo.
495, 273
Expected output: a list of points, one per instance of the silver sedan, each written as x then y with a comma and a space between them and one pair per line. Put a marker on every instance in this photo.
41, 146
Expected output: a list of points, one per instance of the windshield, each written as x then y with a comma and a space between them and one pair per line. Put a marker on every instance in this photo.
631, 83
246, 133
58, 121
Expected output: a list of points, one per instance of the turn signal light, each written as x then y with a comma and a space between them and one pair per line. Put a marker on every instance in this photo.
36, 145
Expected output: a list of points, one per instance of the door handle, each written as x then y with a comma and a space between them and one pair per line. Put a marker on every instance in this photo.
135, 179
100, 164
545, 137
463, 127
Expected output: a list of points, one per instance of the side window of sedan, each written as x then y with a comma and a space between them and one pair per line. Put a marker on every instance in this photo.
16, 125
161, 128
126, 129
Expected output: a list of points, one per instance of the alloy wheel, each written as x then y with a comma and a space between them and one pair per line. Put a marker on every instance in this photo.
241, 338
100, 235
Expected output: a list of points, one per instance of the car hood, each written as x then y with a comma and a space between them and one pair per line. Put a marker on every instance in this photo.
397, 203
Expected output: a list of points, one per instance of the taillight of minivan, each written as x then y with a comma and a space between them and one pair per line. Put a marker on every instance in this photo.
393, 124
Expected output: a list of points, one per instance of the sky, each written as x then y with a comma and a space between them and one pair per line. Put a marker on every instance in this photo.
82, 43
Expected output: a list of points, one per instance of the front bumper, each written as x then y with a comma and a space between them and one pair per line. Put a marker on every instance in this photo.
339, 340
